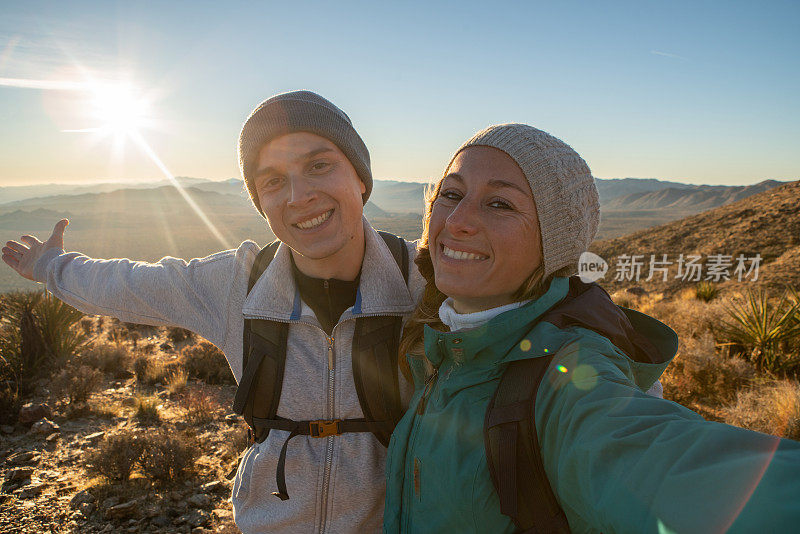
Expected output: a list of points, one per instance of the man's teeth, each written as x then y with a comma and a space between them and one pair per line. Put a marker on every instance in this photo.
461, 255
316, 221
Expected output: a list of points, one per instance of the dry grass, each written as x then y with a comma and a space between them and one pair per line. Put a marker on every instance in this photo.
116, 456
689, 317
176, 380
111, 358
151, 370
206, 362
177, 334
703, 375
76, 383
164, 456
168, 457
199, 406
147, 410
773, 408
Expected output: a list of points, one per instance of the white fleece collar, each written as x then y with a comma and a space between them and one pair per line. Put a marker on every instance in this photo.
461, 321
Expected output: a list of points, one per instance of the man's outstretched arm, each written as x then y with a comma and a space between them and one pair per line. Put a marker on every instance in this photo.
204, 295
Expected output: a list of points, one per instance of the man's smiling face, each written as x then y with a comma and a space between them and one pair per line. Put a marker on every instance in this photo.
311, 196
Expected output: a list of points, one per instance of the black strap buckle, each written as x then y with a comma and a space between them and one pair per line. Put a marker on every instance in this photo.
321, 428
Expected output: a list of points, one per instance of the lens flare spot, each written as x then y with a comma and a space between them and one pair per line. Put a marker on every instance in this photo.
562, 369
546, 350
525, 345
584, 377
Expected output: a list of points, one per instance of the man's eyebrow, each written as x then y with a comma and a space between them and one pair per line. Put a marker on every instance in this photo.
308, 155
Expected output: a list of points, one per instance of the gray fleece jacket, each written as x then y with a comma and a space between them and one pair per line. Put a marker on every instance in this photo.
335, 484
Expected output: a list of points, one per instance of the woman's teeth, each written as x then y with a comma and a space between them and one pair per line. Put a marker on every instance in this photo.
461, 255
316, 221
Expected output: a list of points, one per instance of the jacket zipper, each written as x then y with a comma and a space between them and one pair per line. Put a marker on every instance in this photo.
328, 414
326, 478
423, 402
415, 486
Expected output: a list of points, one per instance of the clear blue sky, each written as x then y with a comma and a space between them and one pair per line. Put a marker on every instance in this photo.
699, 92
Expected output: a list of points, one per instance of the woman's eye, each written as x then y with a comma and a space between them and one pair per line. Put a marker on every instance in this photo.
500, 204
450, 195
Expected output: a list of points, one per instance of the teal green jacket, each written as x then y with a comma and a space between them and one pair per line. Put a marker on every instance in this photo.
617, 459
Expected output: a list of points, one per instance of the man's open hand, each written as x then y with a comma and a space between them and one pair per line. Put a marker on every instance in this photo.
22, 257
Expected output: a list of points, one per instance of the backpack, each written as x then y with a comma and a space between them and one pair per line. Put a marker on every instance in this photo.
512, 447
374, 354
510, 440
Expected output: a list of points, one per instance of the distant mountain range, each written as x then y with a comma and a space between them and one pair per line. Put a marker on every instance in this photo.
154, 220
408, 197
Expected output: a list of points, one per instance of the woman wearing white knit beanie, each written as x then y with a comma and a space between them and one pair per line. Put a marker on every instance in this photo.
530, 412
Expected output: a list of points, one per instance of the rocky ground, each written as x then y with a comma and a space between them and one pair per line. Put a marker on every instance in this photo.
46, 486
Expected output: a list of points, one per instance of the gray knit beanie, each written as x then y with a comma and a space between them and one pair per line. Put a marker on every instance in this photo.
563, 189
300, 111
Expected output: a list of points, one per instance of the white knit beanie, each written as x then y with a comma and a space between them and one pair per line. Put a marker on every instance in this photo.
563, 188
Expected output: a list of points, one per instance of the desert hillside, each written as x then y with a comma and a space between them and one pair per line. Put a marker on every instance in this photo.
767, 224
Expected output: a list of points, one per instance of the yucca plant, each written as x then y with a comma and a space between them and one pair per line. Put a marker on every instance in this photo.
21, 343
762, 326
706, 291
35, 329
55, 321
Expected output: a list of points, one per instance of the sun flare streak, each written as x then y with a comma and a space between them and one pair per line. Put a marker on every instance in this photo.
49, 85
142, 144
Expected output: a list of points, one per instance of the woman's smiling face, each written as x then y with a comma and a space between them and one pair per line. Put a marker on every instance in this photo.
484, 234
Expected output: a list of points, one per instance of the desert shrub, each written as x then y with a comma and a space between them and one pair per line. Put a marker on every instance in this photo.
177, 334
706, 291
141, 365
36, 331
700, 373
150, 371
147, 410
176, 380
761, 328
690, 318
116, 456
206, 362
168, 457
87, 325
773, 408
10, 402
237, 440
110, 358
199, 406
76, 383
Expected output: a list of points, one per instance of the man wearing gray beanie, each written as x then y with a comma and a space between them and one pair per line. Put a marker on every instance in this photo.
309, 324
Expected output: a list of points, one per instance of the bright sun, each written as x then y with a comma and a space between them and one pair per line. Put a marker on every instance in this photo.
118, 109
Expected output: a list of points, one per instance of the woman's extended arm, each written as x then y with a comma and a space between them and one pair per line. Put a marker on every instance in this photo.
623, 461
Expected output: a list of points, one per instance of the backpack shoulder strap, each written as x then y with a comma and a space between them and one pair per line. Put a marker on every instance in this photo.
513, 454
397, 246
263, 259
263, 359
375, 345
